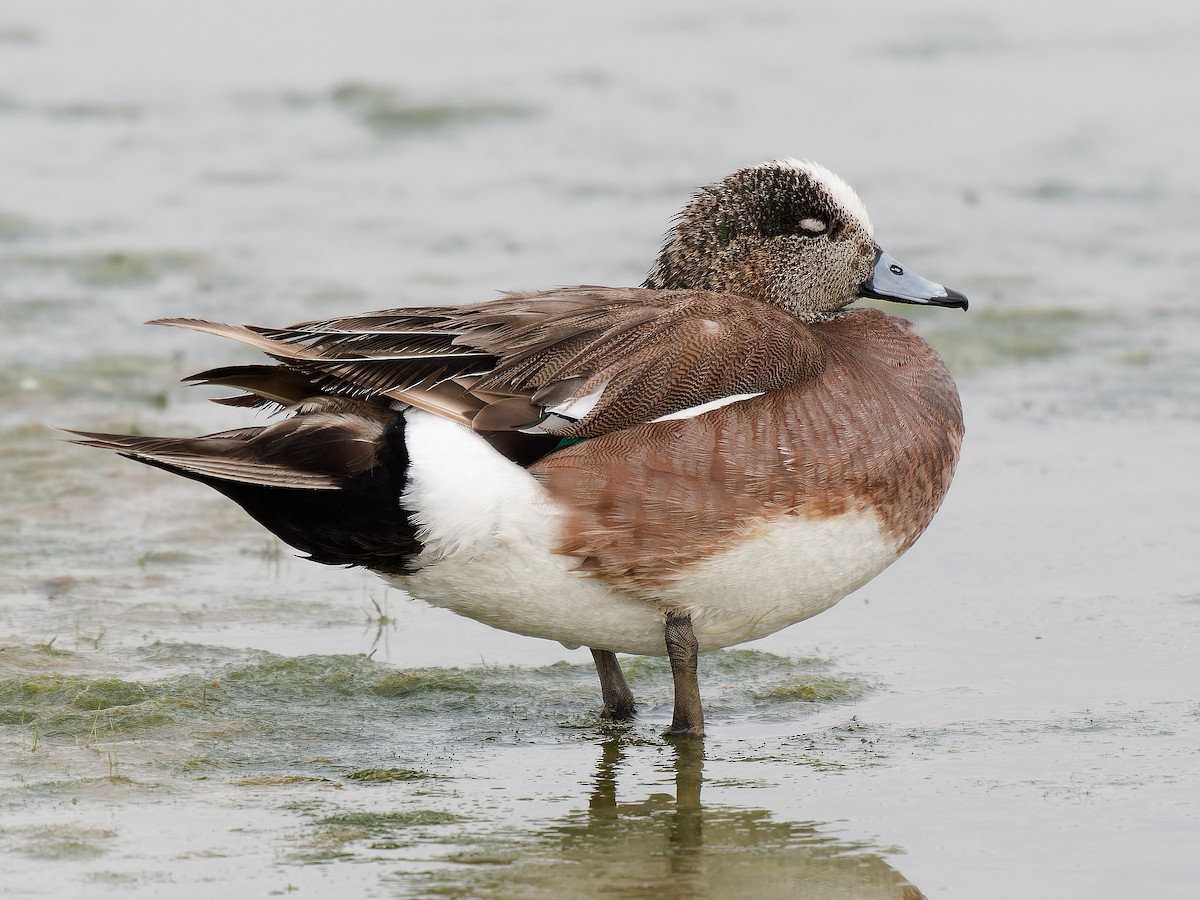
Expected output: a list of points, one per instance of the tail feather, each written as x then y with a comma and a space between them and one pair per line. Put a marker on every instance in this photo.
278, 385
215, 456
327, 481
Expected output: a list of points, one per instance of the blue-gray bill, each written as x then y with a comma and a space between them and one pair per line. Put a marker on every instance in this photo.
891, 281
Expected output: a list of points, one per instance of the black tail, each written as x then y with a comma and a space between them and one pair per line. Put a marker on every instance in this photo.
327, 480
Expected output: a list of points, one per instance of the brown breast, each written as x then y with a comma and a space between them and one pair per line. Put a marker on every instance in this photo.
880, 428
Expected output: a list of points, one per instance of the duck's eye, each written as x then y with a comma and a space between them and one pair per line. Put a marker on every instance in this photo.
813, 226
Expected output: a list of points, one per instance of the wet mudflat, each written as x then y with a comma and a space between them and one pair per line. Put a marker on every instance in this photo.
1011, 710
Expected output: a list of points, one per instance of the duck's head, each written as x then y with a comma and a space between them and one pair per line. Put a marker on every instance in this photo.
791, 233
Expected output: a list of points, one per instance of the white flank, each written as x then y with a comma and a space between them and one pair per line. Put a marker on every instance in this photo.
460, 489
489, 531
692, 411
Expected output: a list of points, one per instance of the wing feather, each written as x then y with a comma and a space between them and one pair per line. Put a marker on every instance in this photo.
634, 354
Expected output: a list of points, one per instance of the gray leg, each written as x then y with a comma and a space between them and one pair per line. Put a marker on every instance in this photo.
683, 650
618, 699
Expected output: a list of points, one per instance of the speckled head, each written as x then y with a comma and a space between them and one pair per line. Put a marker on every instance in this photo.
788, 232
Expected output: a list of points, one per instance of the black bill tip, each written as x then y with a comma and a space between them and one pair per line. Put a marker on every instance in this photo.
954, 300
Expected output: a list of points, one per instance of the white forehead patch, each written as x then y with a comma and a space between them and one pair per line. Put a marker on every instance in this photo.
843, 195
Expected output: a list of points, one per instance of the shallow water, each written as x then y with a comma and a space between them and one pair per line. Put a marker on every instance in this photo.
1011, 710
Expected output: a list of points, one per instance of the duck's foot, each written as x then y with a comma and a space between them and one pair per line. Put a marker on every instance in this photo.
618, 699
683, 651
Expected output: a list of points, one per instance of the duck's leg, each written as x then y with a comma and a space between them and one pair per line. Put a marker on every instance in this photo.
683, 650
618, 699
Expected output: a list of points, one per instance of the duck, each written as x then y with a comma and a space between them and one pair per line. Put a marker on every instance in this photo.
663, 470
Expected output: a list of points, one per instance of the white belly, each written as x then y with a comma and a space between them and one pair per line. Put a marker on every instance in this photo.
489, 531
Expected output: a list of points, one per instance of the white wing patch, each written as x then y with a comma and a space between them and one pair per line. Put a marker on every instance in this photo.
692, 411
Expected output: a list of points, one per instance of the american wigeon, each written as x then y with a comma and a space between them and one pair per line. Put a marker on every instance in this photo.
691, 464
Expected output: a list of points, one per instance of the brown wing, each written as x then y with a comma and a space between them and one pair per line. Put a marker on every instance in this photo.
574, 363
880, 429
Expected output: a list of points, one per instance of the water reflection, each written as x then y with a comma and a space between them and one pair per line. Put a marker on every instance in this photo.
673, 848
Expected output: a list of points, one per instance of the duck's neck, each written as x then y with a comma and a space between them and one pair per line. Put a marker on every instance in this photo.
744, 274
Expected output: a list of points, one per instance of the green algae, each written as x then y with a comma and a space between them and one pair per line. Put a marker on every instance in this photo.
735, 661
997, 337
19, 35
82, 693
386, 821
819, 689
400, 684
62, 842
277, 780
130, 269
14, 226
116, 268
740, 660
303, 677
388, 776
107, 693
1137, 358
745, 671
386, 112
167, 558
142, 382
87, 109
335, 834
89, 709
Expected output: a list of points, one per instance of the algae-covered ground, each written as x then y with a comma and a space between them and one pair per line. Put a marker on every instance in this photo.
187, 709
